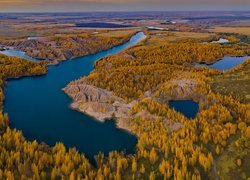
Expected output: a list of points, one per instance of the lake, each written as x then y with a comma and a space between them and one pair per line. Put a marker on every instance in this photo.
101, 25
225, 63
40, 109
188, 108
17, 53
34, 37
221, 40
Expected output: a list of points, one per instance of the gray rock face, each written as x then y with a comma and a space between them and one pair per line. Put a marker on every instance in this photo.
104, 105
179, 88
37, 48
55, 49
87, 93
98, 103
184, 88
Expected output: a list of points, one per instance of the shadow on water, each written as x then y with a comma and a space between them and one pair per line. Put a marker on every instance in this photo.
39, 107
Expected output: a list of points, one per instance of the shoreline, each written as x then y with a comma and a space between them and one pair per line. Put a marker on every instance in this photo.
57, 61
94, 100
117, 122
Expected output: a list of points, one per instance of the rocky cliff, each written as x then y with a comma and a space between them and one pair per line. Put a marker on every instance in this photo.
104, 105
60, 48
98, 103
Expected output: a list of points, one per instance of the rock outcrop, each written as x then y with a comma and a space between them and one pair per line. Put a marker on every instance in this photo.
98, 103
58, 48
104, 105
179, 88
183, 88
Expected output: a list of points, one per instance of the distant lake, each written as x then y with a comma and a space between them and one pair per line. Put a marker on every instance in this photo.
101, 25
40, 109
226, 63
188, 108
17, 53
34, 37
221, 40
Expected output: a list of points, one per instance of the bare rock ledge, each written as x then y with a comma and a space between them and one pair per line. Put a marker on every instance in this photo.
98, 103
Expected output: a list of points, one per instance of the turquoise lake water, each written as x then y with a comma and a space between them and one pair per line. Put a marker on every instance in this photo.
39, 107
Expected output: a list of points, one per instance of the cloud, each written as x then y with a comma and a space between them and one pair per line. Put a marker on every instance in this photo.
82, 5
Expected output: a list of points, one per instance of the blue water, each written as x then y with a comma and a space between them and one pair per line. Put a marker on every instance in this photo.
221, 40
39, 107
17, 53
34, 37
188, 108
226, 63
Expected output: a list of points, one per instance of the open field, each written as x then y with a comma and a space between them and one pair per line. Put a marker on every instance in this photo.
239, 30
243, 23
115, 32
38, 24
158, 37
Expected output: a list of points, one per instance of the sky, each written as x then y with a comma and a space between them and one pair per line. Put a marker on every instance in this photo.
120, 5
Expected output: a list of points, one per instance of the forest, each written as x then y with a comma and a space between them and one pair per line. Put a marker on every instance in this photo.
170, 146
151, 74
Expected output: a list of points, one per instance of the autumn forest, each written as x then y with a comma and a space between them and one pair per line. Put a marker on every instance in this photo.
133, 88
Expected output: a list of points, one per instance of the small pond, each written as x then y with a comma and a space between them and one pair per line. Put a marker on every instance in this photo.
221, 40
188, 108
226, 63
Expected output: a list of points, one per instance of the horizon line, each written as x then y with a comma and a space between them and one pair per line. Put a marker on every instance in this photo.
130, 11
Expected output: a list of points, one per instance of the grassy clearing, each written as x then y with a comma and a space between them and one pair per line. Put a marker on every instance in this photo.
239, 30
115, 33
158, 37
226, 162
241, 23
